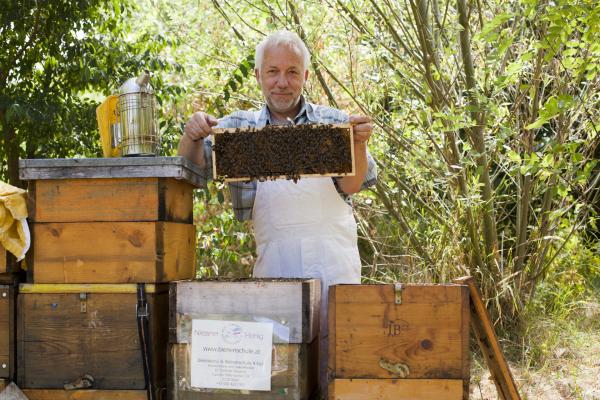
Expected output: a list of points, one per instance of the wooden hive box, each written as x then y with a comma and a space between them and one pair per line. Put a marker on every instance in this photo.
66, 331
115, 220
399, 342
275, 151
7, 331
291, 306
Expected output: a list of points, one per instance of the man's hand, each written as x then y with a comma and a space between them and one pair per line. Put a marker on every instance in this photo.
362, 128
199, 126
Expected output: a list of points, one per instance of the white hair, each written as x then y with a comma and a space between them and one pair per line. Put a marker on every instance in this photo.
282, 38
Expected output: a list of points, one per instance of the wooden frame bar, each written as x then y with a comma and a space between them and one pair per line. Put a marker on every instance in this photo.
488, 342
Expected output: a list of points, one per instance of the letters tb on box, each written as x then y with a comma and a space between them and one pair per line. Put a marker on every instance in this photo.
399, 342
248, 339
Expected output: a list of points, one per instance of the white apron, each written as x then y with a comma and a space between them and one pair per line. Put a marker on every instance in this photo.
306, 230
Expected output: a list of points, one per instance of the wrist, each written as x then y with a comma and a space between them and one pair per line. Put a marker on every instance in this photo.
191, 139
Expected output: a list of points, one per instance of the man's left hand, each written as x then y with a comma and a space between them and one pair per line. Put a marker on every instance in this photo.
362, 128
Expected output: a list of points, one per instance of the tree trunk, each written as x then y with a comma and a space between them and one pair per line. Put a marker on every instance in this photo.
11, 149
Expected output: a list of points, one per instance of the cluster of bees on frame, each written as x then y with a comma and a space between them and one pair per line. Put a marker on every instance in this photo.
288, 151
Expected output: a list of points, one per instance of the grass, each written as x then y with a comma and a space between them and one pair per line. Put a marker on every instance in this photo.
557, 355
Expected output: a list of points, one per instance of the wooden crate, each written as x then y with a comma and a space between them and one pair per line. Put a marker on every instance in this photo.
393, 332
293, 304
110, 199
302, 151
112, 252
66, 331
7, 332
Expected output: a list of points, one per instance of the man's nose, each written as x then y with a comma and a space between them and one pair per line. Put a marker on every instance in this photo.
282, 81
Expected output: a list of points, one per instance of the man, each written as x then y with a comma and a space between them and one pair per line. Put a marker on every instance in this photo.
304, 229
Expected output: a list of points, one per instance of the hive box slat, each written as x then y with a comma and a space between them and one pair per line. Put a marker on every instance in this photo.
7, 332
288, 303
66, 331
110, 199
87, 394
396, 389
112, 252
372, 337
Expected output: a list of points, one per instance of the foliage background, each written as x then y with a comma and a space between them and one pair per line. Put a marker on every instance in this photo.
486, 118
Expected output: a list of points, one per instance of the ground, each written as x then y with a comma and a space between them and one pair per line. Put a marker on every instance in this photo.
571, 372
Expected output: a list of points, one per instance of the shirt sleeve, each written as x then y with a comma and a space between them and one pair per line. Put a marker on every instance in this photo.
371, 177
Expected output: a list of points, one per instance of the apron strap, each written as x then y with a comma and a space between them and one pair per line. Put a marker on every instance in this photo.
142, 313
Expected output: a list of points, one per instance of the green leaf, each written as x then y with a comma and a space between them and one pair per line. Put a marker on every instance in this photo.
514, 156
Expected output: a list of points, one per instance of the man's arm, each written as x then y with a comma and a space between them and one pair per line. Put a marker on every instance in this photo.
362, 128
192, 150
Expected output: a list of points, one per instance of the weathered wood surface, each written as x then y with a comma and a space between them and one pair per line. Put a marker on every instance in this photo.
7, 332
118, 199
57, 394
291, 304
62, 336
112, 252
488, 342
424, 337
2, 260
12, 392
396, 389
120, 167
217, 131
293, 377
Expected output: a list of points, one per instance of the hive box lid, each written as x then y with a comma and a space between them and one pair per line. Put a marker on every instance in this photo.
119, 167
292, 305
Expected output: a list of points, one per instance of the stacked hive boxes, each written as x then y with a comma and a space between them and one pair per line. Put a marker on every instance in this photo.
100, 227
399, 342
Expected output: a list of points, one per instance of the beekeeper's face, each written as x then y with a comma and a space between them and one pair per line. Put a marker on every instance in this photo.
281, 78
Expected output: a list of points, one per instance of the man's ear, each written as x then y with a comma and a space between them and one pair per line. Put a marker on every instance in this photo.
306, 75
257, 75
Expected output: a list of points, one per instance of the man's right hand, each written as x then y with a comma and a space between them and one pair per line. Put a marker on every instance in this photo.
199, 126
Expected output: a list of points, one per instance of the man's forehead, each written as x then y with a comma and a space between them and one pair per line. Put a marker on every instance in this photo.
281, 49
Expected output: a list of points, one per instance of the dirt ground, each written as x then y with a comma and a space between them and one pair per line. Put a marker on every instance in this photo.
571, 373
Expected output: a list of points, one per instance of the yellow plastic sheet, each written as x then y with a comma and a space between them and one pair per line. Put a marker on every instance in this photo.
106, 115
14, 231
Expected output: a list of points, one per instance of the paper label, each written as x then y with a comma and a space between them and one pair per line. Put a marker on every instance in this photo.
231, 355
